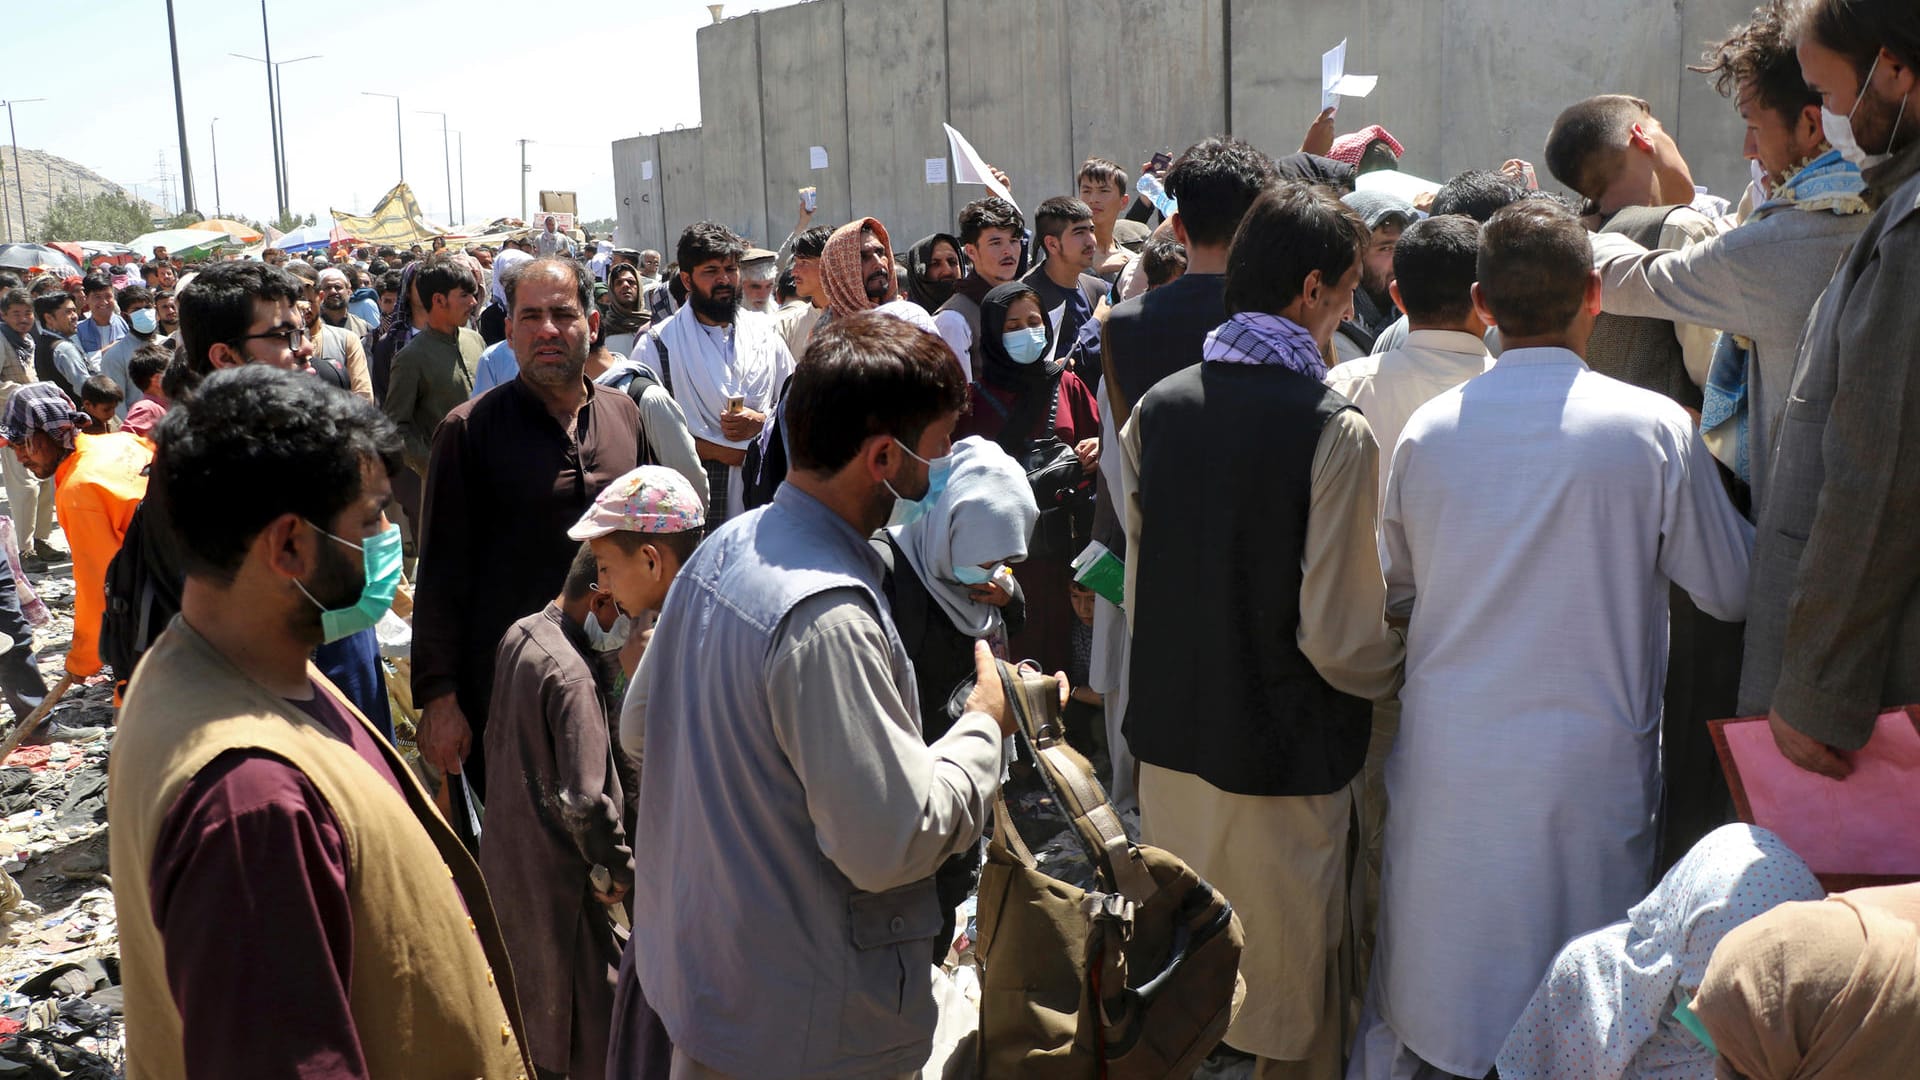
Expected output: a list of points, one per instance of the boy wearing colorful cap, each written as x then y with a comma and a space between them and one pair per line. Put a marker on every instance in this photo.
555, 848
642, 528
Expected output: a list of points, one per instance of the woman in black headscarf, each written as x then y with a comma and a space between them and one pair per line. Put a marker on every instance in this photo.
1046, 418
934, 265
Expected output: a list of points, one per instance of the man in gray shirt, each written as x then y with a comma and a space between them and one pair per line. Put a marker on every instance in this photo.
791, 813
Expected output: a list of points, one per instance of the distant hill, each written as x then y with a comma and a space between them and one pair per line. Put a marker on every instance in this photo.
39, 169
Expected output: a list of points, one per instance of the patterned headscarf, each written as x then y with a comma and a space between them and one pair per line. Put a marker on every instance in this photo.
1605, 1008
42, 407
1350, 148
400, 319
840, 267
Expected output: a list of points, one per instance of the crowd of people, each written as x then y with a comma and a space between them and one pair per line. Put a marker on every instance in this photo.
1446, 525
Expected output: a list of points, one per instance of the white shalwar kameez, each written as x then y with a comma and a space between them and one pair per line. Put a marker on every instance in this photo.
1533, 519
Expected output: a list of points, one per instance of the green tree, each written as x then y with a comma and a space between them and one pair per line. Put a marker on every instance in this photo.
110, 216
185, 220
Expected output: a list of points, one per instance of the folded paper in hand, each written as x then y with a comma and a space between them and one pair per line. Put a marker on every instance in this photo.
1335, 83
970, 168
1851, 832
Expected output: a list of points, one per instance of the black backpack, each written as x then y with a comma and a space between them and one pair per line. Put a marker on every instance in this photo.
143, 594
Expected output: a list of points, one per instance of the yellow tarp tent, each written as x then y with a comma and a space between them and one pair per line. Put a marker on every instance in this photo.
397, 220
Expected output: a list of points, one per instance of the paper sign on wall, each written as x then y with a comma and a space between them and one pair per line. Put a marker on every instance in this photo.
969, 168
936, 170
816, 157
1335, 83
646, 169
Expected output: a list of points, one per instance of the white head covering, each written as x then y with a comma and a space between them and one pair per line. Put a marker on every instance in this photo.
503, 262
984, 516
1607, 1003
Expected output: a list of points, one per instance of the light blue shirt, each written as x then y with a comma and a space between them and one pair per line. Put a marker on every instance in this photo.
113, 364
93, 337
72, 364
497, 365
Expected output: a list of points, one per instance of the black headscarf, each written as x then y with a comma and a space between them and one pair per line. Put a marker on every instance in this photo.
615, 319
930, 294
996, 367
1314, 169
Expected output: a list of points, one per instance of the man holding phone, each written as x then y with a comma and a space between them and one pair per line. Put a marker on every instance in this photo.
725, 366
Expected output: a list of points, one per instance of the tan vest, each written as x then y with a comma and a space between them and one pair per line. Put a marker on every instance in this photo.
423, 994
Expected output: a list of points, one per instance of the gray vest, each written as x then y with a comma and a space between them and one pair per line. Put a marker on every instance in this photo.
758, 954
1643, 352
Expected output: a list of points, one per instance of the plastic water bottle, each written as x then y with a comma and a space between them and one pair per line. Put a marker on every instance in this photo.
1150, 188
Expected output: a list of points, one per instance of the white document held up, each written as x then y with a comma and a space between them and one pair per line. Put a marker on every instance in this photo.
969, 168
936, 170
816, 157
646, 169
1335, 83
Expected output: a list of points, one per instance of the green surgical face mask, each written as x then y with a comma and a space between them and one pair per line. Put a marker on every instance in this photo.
380, 557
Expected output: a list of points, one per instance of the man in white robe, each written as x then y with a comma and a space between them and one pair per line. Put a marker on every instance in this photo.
1534, 518
725, 366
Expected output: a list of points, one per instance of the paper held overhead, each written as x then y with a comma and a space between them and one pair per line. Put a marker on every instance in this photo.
816, 157
1398, 184
970, 168
1335, 83
936, 170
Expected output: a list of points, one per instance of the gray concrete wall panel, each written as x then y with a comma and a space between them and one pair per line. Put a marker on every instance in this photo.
803, 104
683, 170
1007, 72
732, 144
1039, 85
638, 214
1145, 76
896, 102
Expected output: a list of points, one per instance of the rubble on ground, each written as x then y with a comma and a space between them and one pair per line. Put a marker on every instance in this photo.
60, 1008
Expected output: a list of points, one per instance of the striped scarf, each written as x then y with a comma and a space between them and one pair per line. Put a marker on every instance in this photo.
1253, 337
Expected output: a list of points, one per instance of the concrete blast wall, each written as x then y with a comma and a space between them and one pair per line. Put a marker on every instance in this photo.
1040, 85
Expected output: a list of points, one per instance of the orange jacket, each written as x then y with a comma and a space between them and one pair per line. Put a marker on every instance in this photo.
95, 491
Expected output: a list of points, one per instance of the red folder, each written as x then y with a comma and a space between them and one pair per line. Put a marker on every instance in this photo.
1864, 830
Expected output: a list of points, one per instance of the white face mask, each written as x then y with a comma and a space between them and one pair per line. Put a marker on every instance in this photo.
1839, 129
607, 640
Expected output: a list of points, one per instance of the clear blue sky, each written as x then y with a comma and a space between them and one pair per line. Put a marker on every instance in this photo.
564, 73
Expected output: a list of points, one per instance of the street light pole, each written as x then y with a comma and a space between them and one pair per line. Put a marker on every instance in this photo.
19, 178
277, 121
273, 116
461, 136
446, 152
213, 136
524, 170
398, 138
180, 112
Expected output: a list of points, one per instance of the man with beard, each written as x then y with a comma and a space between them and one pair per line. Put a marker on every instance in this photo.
166, 311
1068, 294
758, 277
143, 326
649, 267
338, 355
1386, 217
1833, 631
510, 471
725, 366
98, 481
271, 851
856, 273
336, 294
990, 231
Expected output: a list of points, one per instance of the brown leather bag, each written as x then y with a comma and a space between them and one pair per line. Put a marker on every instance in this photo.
1134, 979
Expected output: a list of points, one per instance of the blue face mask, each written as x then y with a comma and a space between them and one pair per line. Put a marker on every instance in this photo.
973, 575
380, 557
1025, 346
912, 510
144, 321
